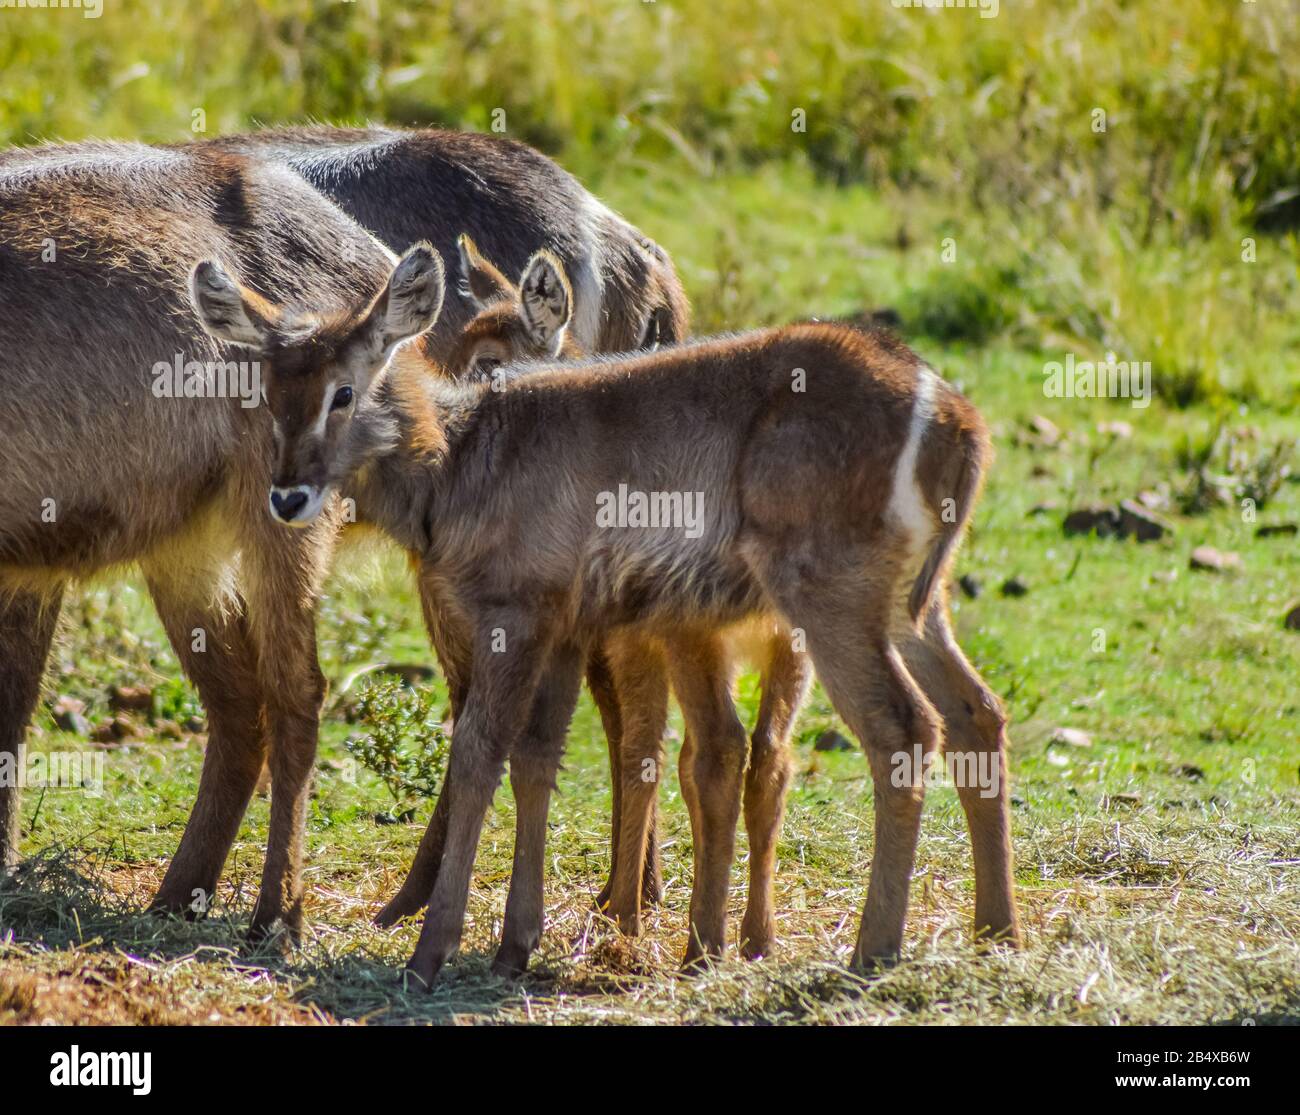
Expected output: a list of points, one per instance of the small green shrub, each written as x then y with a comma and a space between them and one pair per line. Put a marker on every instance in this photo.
403, 744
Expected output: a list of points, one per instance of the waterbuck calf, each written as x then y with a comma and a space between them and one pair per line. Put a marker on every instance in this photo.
837, 473
133, 438
527, 324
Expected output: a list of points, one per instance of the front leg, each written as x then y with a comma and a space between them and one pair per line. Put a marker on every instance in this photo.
283, 572
533, 766
454, 650
510, 649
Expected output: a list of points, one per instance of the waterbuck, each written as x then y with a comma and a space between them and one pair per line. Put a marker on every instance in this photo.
528, 323
430, 184
134, 438
838, 472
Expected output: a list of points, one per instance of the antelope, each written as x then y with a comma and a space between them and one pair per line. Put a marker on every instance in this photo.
109, 460
430, 184
404, 185
839, 472
529, 323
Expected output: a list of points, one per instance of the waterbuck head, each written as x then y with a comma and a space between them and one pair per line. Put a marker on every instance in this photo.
320, 373
527, 323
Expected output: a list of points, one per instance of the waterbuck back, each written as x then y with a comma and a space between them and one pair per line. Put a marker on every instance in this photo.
405, 186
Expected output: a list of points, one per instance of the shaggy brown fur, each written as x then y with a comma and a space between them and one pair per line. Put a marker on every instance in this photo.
429, 184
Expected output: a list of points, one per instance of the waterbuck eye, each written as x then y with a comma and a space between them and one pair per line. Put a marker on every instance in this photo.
342, 397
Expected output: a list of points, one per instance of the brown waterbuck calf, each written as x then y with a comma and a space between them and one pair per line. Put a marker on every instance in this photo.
132, 438
836, 473
527, 324
429, 184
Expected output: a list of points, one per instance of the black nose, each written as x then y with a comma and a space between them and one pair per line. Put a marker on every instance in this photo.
287, 507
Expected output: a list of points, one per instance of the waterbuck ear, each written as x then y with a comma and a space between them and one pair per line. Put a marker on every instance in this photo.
228, 311
545, 300
480, 281
413, 298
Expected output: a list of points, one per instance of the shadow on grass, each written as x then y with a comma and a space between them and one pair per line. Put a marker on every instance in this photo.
57, 900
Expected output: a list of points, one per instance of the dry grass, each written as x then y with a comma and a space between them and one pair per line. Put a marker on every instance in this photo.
1146, 921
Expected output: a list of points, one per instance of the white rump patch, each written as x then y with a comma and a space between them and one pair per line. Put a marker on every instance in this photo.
906, 500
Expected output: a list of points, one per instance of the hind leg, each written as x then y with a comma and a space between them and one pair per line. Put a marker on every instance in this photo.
534, 762
975, 741
27, 623
498, 705
786, 676
452, 650
640, 678
605, 694
217, 655
844, 606
702, 675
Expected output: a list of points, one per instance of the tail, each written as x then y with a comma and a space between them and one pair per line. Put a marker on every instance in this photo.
967, 457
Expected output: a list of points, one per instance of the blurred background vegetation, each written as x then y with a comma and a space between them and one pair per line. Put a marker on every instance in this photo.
806, 159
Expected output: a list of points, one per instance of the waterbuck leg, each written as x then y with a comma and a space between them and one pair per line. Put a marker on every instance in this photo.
847, 620
27, 623
975, 742
771, 765
415, 890
508, 660
534, 763
454, 657
217, 655
640, 675
701, 677
607, 699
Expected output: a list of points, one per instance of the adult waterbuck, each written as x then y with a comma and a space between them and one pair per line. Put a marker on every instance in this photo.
430, 184
133, 438
837, 473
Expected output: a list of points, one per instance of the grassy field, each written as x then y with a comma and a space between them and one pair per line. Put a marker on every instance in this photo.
949, 174
1157, 868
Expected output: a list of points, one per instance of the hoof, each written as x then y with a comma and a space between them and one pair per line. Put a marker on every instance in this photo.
420, 974
699, 960
280, 934
757, 937
160, 908
511, 961
872, 964
1008, 936
627, 921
